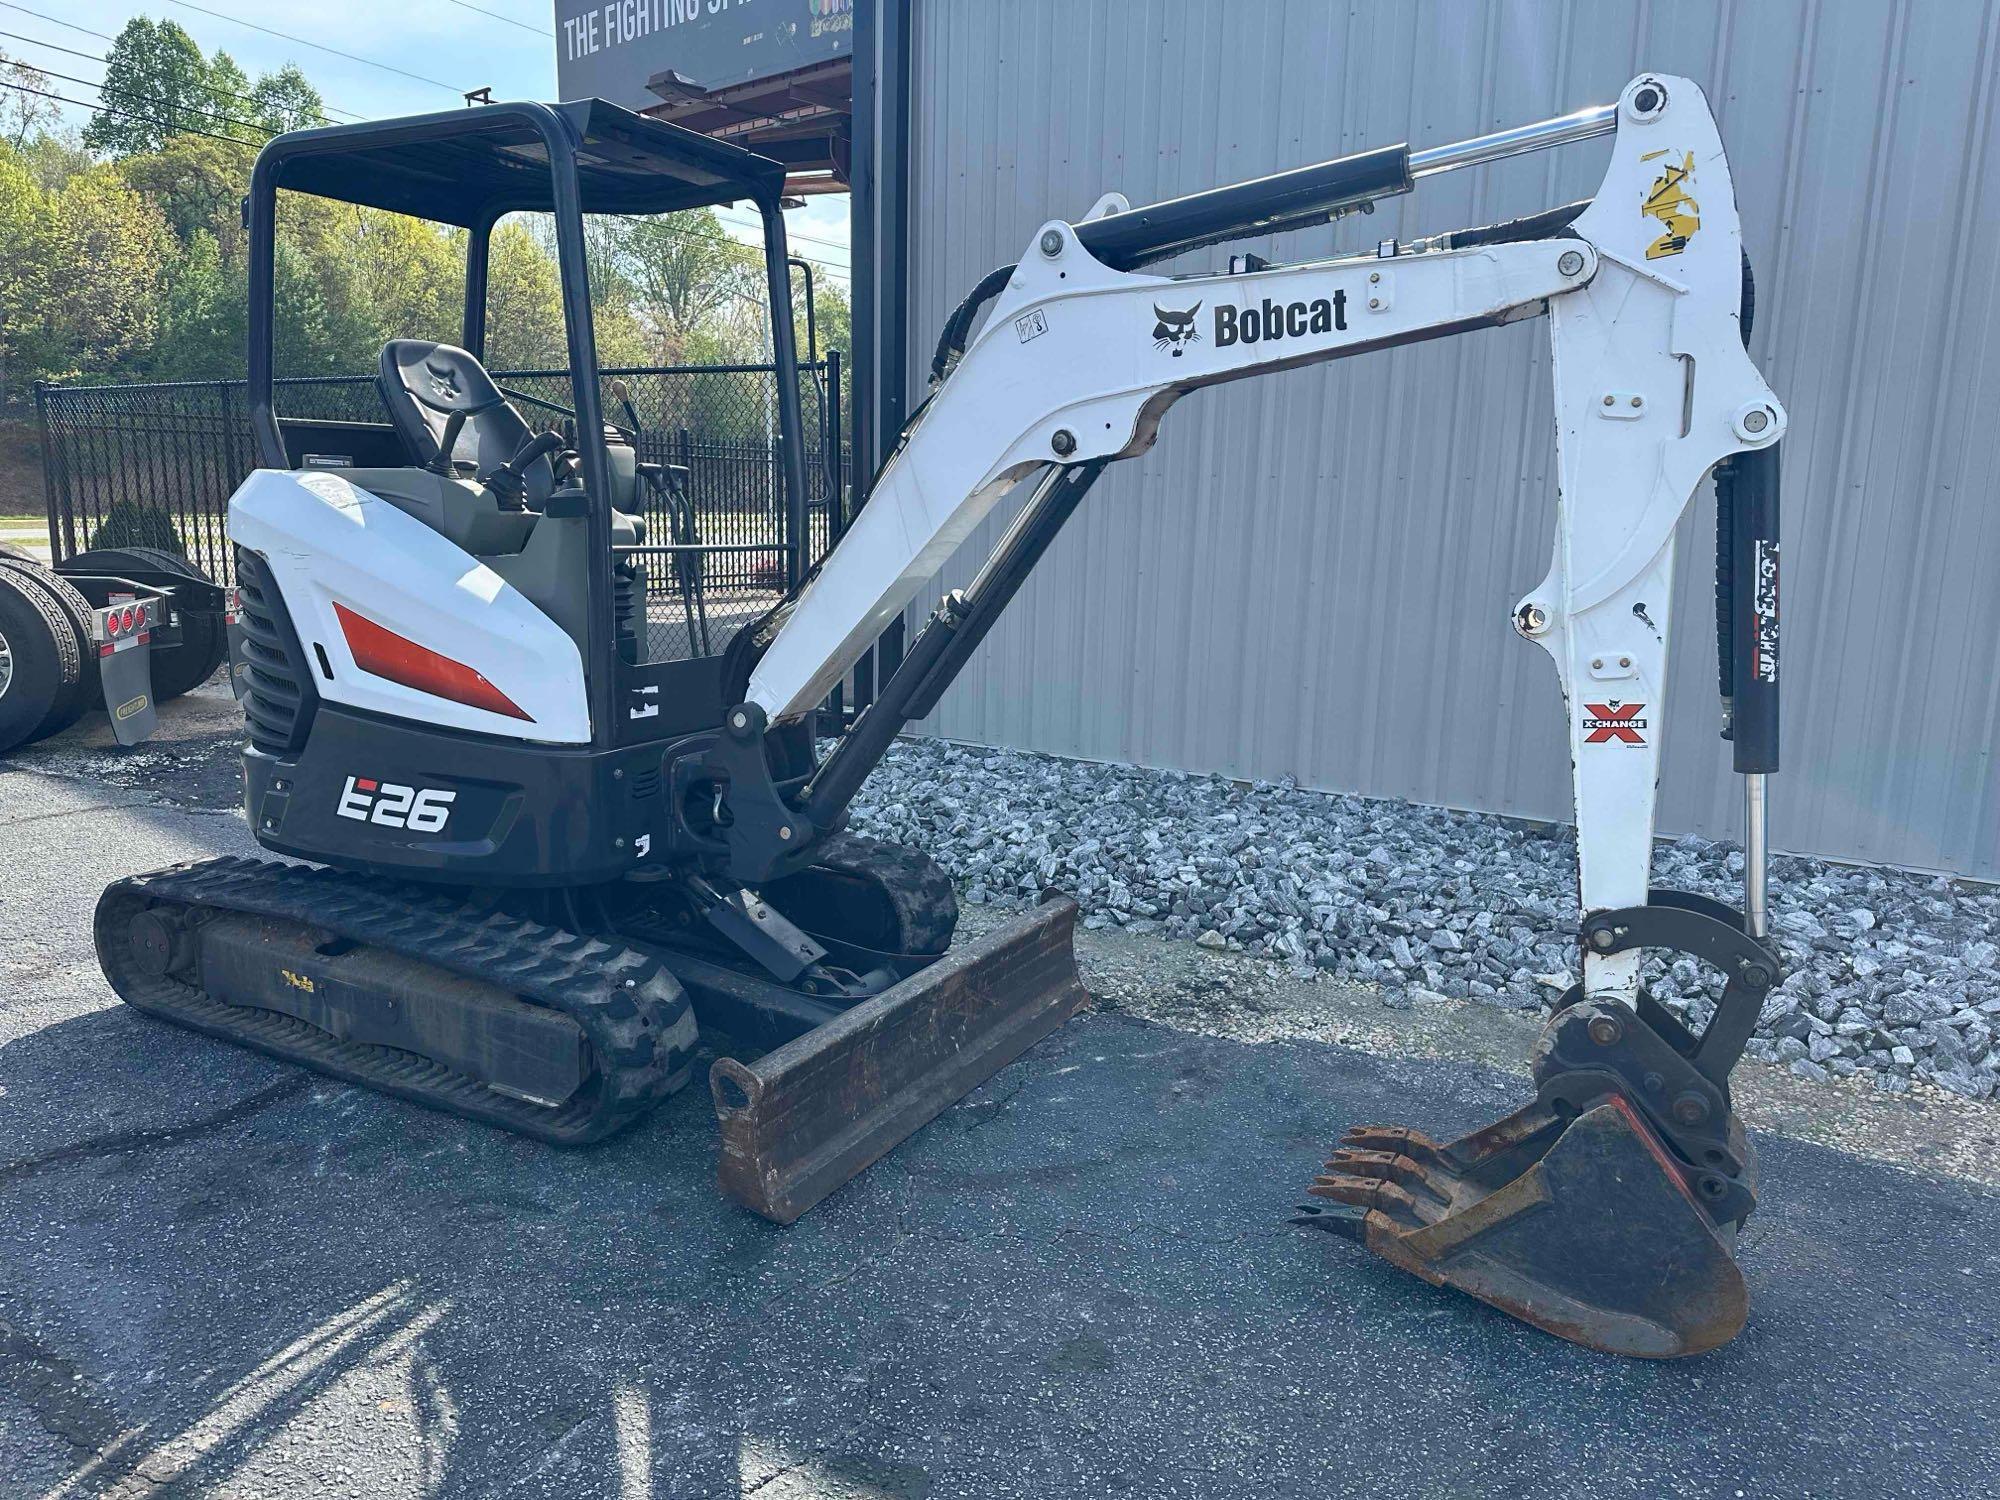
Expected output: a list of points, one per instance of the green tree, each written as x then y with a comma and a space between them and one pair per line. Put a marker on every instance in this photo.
198, 185
203, 316
27, 235
230, 108
112, 247
55, 156
25, 112
684, 278
286, 100
156, 83
832, 320
524, 315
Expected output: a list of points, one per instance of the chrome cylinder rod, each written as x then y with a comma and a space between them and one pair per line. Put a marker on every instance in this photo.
1600, 119
1756, 859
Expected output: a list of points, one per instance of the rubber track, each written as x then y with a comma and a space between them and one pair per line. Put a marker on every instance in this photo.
925, 902
633, 1013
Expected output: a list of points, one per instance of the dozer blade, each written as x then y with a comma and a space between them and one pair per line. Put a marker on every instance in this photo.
1584, 1226
802, 1120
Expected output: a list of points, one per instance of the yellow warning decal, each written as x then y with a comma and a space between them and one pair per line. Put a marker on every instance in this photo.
130, 706
296, 981
1669, 201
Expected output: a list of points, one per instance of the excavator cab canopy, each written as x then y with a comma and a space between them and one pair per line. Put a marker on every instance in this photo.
469, 169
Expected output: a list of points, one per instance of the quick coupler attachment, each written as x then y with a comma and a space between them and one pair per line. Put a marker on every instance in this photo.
1606, 1210
800, 1121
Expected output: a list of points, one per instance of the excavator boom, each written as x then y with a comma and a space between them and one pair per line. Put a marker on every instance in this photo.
1643, 290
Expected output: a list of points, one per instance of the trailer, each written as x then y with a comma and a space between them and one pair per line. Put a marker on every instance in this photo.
119, 629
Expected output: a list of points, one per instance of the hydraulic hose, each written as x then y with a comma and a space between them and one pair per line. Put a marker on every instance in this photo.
958, 327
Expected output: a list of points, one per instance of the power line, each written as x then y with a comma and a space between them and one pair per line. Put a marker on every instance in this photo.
35, 41
126, 115
792, 235
833, 272
496, 16
158, 103
70, 25
206, 88
450, 88
90, 57
93, 57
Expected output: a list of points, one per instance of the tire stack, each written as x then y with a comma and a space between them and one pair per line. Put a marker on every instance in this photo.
48, 664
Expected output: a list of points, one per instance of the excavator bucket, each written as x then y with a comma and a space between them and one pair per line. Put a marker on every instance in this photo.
803, 1119
1580, 1226
1606, 1211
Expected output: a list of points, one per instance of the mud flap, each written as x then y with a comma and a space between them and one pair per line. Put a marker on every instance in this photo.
802, 1120
126, 670
239, 661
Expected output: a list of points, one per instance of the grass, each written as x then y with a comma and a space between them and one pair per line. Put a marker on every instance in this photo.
27, 531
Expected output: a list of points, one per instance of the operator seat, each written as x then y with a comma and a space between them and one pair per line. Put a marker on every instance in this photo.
423, 384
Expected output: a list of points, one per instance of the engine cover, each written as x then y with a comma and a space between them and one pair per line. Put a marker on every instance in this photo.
441, 638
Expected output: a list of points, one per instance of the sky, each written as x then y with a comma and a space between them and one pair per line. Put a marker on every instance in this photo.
369, 59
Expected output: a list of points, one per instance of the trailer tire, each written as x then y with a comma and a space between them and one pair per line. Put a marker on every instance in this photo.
204, 641
39, 665
77, 611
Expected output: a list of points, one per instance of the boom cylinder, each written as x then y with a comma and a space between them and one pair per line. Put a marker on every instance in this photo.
1517, 140
1305, 196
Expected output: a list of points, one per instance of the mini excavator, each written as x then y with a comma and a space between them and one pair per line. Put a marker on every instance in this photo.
535, 840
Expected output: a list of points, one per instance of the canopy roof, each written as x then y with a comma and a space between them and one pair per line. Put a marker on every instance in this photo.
469, 166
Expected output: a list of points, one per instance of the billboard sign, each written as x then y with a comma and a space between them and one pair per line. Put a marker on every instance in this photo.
607, 49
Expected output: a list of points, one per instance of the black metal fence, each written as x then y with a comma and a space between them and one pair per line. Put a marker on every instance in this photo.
154, 465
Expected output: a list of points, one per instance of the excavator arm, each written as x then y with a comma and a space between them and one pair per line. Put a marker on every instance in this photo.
1078, 362
1644, 292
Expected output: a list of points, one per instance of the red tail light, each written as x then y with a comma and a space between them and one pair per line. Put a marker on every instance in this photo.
126, 616
385, 654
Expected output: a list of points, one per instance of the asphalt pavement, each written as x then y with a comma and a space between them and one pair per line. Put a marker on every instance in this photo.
220, 1275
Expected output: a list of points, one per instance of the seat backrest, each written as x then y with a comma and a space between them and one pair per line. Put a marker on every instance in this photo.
422, 384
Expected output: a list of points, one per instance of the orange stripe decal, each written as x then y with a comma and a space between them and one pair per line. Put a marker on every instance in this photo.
382, 653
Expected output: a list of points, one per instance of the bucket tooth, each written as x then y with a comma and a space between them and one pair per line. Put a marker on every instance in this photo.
1584, 1225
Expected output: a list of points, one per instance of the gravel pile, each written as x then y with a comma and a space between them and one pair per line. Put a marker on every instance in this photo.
1891, 975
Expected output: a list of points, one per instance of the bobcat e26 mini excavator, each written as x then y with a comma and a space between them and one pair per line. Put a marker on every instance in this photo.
545, 843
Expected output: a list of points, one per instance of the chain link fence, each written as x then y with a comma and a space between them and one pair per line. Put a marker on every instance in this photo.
154, 465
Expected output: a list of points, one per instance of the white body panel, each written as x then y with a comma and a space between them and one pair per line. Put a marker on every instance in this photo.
1652, 388
327, 541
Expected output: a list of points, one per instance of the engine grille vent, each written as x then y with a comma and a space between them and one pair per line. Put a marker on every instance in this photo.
278, 695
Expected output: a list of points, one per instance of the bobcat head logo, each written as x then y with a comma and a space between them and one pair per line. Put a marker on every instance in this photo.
1174, 330
444, 385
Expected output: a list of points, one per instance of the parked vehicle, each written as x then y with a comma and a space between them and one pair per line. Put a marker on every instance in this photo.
119, 628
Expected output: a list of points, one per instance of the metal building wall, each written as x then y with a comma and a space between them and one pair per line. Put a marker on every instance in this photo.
1310, 575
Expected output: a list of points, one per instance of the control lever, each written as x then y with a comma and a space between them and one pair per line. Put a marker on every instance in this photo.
624, 394
441, 462
509, 481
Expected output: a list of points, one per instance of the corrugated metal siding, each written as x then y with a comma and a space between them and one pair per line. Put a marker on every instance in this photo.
1310, 574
